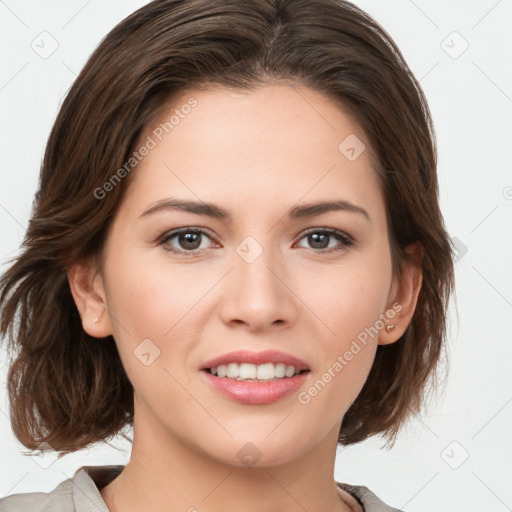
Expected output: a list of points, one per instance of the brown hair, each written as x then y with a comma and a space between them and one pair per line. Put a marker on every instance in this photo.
68, 390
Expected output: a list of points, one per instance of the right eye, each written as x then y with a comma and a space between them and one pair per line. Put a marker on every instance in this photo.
188, 240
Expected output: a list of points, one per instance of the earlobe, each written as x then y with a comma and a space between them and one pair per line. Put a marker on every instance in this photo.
87, 289
406, 289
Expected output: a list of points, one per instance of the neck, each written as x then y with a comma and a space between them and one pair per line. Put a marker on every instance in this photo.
164, 474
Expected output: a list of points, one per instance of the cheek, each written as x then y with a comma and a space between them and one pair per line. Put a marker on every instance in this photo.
347, 355
350, 301
347, 299
147, 299
151, 311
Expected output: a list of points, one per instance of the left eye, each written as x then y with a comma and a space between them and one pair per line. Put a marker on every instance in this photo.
190, 240
319, 237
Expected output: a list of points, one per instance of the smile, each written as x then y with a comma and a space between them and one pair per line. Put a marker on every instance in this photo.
255, 378
252, 372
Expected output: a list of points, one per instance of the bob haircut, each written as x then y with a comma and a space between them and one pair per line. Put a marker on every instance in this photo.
68, 390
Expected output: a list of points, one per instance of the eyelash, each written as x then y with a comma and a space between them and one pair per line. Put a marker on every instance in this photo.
346, 240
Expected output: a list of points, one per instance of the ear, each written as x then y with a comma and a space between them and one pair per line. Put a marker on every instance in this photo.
88, 291
403, 296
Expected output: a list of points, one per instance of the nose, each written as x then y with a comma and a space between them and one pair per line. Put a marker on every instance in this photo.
259, 294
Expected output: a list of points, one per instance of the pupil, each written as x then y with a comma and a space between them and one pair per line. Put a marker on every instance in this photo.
315, 240
189, 240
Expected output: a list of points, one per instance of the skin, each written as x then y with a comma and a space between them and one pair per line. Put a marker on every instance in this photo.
256, 154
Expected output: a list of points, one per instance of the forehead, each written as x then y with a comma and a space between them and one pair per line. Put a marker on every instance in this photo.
275, 144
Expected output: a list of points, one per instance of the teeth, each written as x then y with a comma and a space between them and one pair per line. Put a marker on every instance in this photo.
232, 371
246, 371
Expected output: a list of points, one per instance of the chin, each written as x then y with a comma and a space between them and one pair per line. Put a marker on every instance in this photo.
260, 450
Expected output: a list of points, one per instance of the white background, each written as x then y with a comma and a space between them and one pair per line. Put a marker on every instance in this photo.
470, 95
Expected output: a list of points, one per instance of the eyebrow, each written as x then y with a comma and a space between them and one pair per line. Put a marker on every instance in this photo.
216, 212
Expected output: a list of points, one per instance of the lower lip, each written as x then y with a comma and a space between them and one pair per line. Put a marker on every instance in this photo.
255, 393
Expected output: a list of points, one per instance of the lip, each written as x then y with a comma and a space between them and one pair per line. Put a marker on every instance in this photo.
266, 356
255, 393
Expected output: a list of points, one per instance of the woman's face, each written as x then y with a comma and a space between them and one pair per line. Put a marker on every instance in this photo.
258, 269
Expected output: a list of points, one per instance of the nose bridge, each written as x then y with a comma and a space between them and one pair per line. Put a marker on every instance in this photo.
256, 293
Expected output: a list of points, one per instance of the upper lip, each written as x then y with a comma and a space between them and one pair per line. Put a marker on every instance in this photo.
247, 356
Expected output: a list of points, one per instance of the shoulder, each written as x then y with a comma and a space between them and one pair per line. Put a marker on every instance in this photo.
58, 500
77, 494
369, 501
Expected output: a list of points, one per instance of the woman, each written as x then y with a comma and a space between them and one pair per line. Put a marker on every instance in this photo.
237, 248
